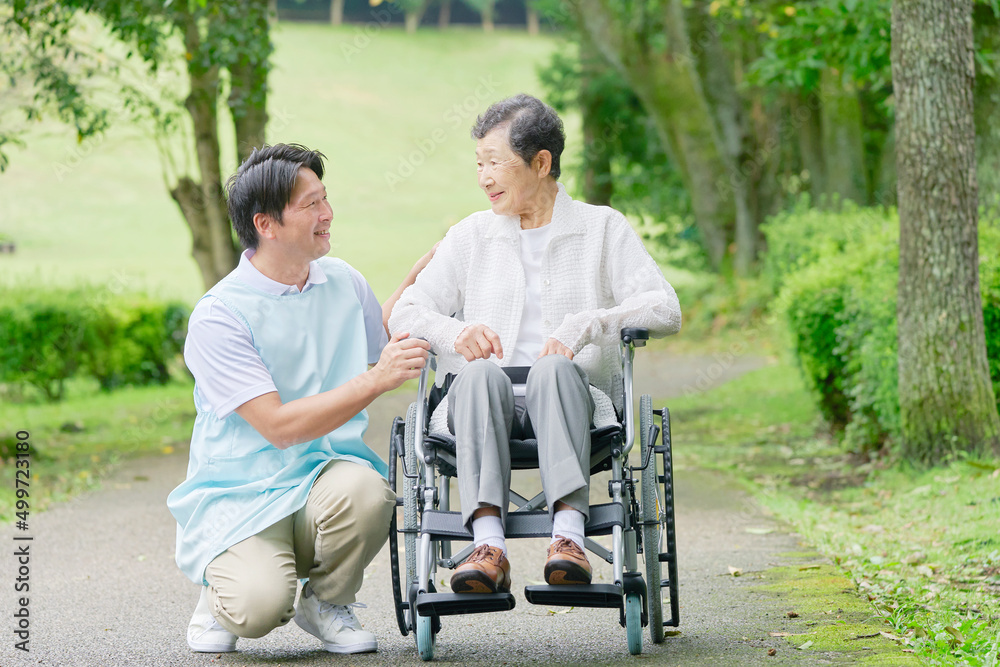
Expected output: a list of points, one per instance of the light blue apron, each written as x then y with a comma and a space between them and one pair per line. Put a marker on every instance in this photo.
238, 483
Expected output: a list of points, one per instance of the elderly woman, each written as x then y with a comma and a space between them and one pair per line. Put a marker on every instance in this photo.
540, 280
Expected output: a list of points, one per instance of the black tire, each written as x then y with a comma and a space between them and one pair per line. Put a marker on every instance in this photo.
650, 514
670, 530
398, 589
410, 519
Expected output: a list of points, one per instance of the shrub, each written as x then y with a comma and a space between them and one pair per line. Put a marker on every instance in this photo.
44, 339
48, 336
802, 235
840, 307
989, 285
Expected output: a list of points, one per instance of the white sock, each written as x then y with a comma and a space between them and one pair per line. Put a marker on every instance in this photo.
568, 523
488, 530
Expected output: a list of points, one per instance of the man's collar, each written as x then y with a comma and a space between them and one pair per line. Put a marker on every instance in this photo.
251, 275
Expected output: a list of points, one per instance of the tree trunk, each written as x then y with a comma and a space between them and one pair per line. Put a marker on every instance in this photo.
206, 214
945, 395
336, 12
248, 83
843, 141
887, 186
715, 70
487, 14
807, 118
598, 185
414, 16
272, 11
534, 23
444, 14
188, 195
666, 82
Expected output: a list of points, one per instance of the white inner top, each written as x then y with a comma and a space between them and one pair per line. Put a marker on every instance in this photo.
529, 337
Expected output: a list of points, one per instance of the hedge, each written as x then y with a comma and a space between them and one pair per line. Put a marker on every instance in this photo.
839, 303
49, 336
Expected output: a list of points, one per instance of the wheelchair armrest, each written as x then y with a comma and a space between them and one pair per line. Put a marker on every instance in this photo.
635, 336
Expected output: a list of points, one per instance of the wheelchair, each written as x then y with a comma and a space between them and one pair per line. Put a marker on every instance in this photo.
639, 517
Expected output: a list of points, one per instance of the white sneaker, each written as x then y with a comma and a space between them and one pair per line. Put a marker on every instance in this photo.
204, 634
334, 625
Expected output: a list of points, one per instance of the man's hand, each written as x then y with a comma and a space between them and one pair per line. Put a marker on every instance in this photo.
402, 359
552, 346
478, 341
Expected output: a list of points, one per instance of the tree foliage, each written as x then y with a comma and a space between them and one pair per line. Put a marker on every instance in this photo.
89, 60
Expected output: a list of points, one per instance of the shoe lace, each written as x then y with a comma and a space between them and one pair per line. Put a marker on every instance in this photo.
343, 613
565, 545
480, 553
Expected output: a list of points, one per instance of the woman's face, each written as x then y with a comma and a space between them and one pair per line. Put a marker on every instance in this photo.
510, 184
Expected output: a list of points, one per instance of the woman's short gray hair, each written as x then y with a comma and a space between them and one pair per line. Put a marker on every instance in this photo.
534, 127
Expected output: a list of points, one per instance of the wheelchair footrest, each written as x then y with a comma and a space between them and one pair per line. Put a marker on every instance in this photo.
449, 604
591, 595
603, 519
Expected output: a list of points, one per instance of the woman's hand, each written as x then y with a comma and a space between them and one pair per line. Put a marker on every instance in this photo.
402, 359
552, 346
478, 341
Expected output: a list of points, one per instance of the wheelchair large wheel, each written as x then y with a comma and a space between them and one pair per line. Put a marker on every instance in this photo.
633, 622
651, 512
398, 588
669, 532
410, 501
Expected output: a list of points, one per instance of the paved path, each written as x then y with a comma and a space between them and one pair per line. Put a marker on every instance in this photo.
105, 590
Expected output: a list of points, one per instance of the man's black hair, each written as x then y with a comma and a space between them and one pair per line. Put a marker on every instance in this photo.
264, 184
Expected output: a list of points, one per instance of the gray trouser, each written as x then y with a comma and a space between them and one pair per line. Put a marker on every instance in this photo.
556, 410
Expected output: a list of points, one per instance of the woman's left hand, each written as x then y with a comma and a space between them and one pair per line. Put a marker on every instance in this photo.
552, 346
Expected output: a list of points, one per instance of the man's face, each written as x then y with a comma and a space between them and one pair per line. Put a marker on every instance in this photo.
305, 230
510, 184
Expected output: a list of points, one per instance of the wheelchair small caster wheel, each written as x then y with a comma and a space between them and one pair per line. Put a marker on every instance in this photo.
633, 622
425, 637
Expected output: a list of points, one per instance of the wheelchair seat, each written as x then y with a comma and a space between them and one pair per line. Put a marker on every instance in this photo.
524, 453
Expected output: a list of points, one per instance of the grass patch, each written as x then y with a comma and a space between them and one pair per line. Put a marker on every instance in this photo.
76, 442
376, 113
825, 613
921, 546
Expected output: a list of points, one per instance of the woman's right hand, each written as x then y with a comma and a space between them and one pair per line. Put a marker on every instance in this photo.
478, 341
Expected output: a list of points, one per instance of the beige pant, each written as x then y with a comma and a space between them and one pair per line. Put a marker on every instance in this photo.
330, 541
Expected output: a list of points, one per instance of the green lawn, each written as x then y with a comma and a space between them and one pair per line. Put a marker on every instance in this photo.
391, 111
921, 545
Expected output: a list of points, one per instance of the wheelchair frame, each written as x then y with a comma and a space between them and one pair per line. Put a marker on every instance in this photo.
638, 524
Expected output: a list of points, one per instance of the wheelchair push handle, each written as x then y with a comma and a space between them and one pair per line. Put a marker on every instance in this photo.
636, 336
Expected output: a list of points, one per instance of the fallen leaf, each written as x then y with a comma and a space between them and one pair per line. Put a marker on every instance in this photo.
772, 651
956, 634
792, 614
806, 645
735, 571
760, 531
889, 635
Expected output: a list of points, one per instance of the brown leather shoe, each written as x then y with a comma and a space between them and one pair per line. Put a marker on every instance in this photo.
486, 570
567, 563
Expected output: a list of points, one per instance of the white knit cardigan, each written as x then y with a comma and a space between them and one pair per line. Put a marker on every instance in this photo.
596, 279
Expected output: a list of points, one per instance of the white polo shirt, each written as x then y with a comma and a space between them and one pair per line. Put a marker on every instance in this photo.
219, 350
